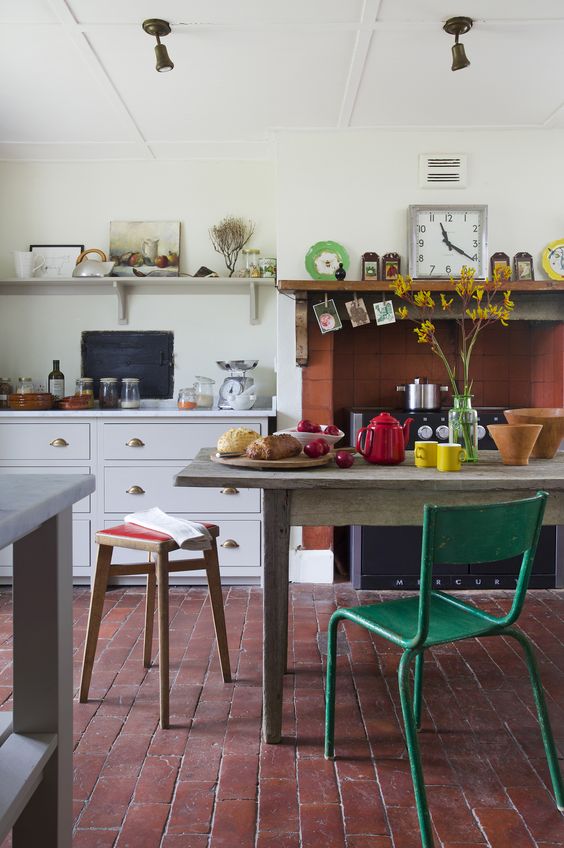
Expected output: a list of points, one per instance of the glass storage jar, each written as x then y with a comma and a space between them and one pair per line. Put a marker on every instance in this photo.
267, 265
130, 397
187, 398
108, 394
84, 387
5, 390
204, 389
252, 262
25, 386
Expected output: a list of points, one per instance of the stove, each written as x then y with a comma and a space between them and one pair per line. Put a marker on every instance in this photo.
390, 557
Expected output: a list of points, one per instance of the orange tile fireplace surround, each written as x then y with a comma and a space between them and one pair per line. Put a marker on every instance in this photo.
518, 365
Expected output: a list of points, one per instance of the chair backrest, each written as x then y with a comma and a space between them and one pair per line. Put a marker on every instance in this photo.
477, 534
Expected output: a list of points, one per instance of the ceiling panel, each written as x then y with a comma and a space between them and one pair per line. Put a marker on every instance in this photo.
227, 84
478, 10
30, 11
513, 79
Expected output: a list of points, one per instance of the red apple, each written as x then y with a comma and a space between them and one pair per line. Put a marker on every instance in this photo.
314, 449
344, 459
135, 260
331, 430
325, 445
306, 426
161, 262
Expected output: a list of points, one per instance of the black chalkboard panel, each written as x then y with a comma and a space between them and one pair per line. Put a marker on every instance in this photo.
144, 354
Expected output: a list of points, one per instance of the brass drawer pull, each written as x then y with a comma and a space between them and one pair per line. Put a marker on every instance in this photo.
59, 443
135, 490
230, 490
135, 443
230, 543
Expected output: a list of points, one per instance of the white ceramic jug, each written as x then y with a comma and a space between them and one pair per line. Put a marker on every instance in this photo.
27, 263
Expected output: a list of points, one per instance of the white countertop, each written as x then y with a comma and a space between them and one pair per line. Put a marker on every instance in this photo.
27, 500
264, 407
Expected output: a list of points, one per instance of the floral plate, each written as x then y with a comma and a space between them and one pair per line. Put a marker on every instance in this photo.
323, 258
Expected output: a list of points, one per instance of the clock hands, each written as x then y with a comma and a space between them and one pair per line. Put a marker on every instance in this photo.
463, 252
452, 246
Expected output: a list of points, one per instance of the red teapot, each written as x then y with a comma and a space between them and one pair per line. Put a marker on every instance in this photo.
385, 440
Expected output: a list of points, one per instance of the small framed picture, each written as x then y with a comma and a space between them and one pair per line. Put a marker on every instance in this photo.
327, 316
499, 260
370, 266
523, 266
384, 312
357, 312
390, 266
59, 259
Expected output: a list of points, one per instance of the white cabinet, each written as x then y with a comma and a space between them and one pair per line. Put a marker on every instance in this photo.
135, 460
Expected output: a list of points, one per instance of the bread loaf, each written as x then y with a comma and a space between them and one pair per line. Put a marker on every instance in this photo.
274, 447
236, 440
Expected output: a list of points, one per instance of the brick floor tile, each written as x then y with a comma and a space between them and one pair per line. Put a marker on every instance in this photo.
317, 781
278, 760
238, 779
87, 768
362, 807
451, 816
93, 839
394, 777
108, 803
539, 810
143, 826
186, 840
321, 824
503, 828
234, 823
278, 805
278, 840
366, 840
192, 807
157, 780
99, 736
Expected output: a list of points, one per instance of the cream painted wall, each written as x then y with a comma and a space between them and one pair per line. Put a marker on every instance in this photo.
355, 188
73, 203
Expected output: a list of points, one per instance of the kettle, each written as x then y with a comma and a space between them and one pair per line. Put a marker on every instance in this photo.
385, 440
92, 267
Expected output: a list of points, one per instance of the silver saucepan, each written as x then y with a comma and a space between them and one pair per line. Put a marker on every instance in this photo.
422, 395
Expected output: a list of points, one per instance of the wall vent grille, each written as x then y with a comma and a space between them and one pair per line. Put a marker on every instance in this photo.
447, 170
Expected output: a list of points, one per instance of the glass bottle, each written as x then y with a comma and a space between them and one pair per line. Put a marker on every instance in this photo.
6, 389
463, 426
56, 381
130, 398
108, 393
25, 386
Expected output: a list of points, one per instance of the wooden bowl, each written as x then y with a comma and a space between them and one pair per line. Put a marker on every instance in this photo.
31, 401
514, 441
552, 420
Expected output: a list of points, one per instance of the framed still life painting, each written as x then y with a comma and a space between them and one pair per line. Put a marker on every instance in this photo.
145, 248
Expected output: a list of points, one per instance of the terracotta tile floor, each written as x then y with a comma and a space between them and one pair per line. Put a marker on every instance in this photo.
210, 783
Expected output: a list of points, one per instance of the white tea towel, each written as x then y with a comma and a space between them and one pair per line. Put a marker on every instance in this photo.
186, 534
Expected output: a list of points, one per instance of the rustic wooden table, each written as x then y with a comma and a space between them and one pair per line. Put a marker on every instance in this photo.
363, 494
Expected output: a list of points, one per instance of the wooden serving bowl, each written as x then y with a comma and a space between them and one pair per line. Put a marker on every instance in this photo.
31, 401
552, 420
514, 441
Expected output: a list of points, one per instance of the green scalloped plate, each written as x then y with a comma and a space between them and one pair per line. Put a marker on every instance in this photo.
325, 255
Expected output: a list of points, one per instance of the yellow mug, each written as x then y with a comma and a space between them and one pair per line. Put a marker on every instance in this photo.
426, 454
450, 457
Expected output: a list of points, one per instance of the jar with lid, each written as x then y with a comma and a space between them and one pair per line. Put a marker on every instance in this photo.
6, 389
188, 398
204, 389
130, 397
25, 386
84, 387
267, 265
108, 393
252, 262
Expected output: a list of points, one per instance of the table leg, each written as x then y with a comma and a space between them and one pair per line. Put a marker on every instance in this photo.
43, 674
276, 540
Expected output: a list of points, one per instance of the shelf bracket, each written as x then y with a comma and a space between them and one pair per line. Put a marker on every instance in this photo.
301, 329
253, 303
119, 289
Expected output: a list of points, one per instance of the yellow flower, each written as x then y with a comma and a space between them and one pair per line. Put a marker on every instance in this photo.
401, 286
507, 302
446, 303
402, 312
425, 332
479, 293
423, 298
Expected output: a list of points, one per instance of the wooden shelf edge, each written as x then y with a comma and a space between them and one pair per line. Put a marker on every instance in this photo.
384, 286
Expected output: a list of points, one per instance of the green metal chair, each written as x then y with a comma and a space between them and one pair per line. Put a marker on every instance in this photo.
457, 534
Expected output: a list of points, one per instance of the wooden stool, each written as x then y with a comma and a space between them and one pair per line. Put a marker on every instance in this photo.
138, 538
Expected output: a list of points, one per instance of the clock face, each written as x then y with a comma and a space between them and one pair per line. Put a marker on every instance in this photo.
553, 259
443, 239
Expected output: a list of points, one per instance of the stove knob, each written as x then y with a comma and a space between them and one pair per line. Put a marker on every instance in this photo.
425, 432
442, 432
481, 432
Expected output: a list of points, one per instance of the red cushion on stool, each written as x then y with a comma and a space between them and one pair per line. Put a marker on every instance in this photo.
135, 531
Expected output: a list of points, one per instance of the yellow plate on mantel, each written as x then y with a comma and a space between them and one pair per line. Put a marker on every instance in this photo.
553, 259
291, 463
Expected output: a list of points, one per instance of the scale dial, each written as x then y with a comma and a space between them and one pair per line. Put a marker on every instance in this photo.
230, 386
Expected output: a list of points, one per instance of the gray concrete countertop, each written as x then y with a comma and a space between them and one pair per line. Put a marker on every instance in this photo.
27, 500
264, 407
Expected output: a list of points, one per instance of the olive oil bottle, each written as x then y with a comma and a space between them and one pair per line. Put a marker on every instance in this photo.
56, 381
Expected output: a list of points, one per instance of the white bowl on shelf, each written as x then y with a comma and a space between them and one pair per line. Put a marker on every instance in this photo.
304, 438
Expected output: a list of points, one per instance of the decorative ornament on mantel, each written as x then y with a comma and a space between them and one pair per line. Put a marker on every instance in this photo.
229, 237
340, 273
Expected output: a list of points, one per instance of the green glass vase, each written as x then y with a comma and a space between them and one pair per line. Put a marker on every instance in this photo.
463, 426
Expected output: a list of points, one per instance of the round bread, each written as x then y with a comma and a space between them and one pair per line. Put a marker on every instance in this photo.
236, 440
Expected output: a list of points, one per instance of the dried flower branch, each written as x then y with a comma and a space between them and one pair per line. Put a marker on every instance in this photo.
229, 237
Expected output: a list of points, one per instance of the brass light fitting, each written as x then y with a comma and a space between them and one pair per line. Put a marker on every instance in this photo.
457, 27
157, 28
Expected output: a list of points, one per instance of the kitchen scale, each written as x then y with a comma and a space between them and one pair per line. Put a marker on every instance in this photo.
237, 382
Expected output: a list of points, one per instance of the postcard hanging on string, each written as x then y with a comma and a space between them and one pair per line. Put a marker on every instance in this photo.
384, 312
327, 316
357, 312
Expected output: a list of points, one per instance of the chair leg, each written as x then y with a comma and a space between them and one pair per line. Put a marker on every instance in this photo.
330, 686
162, 589
149, 616
99, 587
417, 689
413, 751
542, 713
216, 599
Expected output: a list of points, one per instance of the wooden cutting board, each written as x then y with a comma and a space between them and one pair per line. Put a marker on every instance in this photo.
292, 463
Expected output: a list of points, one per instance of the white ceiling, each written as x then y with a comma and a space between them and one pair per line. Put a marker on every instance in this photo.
79, 80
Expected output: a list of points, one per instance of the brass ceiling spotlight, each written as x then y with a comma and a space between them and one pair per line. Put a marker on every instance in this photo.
158, 28
457, 27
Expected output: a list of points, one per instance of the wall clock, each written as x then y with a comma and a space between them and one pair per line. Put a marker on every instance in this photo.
444, 238
553, 259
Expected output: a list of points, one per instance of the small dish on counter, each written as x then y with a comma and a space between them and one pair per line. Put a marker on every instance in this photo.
75, 402
31, 401
304, 437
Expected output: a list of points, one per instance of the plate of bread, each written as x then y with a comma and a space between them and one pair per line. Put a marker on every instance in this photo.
282, 452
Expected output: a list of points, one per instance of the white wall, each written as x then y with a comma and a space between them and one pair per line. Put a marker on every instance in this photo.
73, 203
355, 187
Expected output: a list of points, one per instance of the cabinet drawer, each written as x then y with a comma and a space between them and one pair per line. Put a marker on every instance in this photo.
246, 534
57, 441
159, 490
137, 440
80, 506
